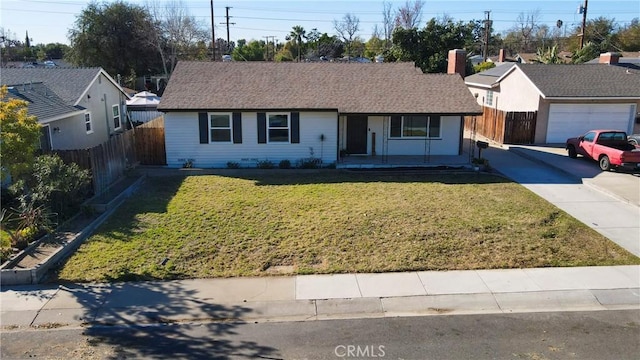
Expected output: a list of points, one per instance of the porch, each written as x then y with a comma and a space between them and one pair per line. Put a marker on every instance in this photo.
403, 161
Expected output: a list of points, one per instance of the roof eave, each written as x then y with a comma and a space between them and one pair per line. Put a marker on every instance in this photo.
591, 97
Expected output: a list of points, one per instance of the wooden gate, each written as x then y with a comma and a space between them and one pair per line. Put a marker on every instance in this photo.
150, 147
504, 127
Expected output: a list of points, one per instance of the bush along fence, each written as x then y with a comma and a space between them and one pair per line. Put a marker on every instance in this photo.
107, 161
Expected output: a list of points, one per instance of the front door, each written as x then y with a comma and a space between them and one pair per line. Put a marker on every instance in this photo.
357, 134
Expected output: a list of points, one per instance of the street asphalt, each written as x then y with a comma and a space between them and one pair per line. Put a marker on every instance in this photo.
348, 296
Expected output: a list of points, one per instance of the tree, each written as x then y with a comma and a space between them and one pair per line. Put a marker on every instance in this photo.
296, 35
114, 36
588, 52
176, 33
410, 15
388, 23
252, 51
373, 47
548, 55
347, 28
330, 46
429, 47
312, 37
629, 36
524, 34
600, 31
19, 136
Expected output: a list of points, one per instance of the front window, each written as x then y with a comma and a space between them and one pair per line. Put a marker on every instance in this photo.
87, 123
220, 127
278, 127
489, 99
415, 126
116, 117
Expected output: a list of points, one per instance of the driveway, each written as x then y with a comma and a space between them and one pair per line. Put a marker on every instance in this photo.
621, 184
608, 203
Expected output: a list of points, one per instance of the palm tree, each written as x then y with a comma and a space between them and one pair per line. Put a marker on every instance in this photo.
548, 56
296, 34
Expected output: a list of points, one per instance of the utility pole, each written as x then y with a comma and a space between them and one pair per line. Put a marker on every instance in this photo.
267, 45
213, 35
583, 11
228, 23
487, 29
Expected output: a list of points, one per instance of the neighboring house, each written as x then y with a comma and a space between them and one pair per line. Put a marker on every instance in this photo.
143, 107
78, 108
569, 99
246, 112
628, 60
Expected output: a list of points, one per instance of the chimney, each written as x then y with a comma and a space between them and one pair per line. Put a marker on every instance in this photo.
457, 62
501, 56
609, 58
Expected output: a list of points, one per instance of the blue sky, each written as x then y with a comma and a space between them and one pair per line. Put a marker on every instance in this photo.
49, 20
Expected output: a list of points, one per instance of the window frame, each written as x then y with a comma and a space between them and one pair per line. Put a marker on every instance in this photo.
212, 128
489, 99
269, 127
87, 115
114, 116
427, 130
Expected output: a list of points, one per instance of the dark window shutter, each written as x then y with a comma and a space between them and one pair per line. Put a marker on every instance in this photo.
237, 128
203, 120
295, 127
262, 128
396, 126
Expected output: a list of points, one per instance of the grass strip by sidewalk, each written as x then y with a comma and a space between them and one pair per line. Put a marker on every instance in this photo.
267, 222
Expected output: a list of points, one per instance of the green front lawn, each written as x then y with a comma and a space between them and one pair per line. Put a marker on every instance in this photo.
274, 221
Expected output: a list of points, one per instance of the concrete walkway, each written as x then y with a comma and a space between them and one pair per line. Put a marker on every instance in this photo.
315, 297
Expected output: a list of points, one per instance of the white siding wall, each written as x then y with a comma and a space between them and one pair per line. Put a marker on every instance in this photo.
448, 144
182, 142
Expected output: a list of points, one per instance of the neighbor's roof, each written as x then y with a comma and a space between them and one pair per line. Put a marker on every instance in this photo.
385, 88
42, 102
68, 83
569, 81
584, 80
488, 78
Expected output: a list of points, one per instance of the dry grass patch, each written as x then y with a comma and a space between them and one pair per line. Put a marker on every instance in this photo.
274, 222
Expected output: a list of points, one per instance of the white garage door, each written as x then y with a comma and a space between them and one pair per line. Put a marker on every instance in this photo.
569, 120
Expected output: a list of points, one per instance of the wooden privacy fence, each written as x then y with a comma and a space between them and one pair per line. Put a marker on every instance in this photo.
504, 127
150, 147
107, 161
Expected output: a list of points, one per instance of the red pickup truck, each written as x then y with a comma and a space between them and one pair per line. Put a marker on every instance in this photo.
609, 147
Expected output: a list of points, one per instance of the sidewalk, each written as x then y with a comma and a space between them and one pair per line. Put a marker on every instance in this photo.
316, 297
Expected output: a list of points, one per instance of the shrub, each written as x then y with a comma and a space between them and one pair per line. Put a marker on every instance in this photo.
284, 164
309, 163
265, 164
233, 165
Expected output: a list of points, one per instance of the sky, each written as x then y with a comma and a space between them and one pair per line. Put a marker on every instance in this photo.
49, 21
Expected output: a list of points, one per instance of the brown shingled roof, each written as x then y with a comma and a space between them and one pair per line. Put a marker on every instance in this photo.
388, 88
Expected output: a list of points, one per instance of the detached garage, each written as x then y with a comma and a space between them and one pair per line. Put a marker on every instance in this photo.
568, 100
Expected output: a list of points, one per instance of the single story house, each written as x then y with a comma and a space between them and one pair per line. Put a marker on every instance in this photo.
569, 99
77, 108
245, 112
